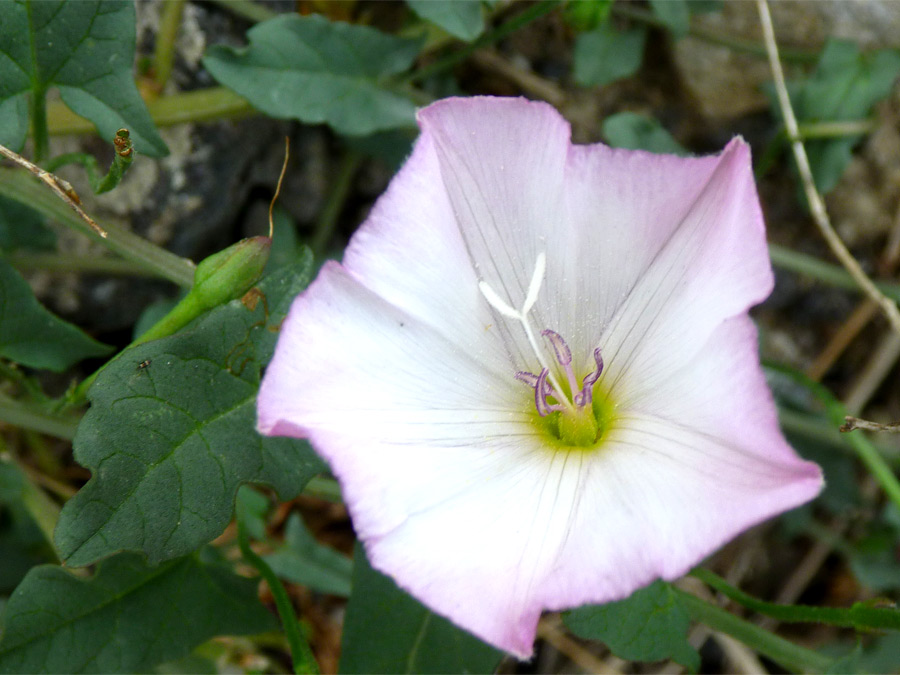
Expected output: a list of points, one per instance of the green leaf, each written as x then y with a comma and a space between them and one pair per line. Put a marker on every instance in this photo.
34, 337
587, 14
127, 617
86, 49
303, 560
387, 631
22, 227
461, 18
638, 132
315, 70
651, 625
170, 435
675, 14
845, 86
605, 55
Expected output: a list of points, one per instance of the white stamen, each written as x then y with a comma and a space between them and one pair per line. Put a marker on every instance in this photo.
496, 301
537, 279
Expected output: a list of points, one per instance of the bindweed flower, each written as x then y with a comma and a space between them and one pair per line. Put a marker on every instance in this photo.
534, 374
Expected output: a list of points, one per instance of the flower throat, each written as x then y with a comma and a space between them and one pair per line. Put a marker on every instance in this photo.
569, 414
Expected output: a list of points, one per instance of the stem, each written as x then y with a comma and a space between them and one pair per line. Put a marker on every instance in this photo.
334, 202
37, 102
55, 262
783, 652
303, 659
812, 130
535, 11
711, 36
837, 414
820, 270
324, 488
202, 105
164, 54
246, 9
19, 187
859, 616
816, 203
25, 417
43, 510
38, 107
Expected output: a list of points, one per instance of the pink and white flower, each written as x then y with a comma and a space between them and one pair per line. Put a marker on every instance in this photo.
534, 374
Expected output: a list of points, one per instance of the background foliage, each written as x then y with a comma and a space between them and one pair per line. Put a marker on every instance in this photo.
139, 509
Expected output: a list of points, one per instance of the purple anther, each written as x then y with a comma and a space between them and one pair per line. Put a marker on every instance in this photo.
563, 356
540, 394
528, 378
563, 353
585, 396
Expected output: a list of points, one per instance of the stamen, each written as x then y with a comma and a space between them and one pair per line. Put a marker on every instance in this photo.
534, 287
563, 357
540, 398
585, 396
528, 378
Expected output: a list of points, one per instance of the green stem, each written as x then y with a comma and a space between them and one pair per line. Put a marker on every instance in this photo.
164, 54
785, 653
246, 9
812, 130
857, 440
521, 19
324, 488
737, 44
43, 510
21, 187
38, 107
859, 616
212, 103
37, 101
820, 270
334, 202
25, 417
55, 262
303, 659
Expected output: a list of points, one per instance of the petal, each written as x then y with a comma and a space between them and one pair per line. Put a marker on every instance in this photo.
701, 262
351, 365
409, 252
502, 163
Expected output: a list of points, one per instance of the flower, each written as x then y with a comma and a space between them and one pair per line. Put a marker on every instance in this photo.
534, 374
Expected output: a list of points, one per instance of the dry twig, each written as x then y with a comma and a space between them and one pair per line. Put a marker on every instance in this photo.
816, 203
61, 187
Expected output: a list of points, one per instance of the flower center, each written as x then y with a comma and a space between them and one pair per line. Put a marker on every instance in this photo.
576, 422
571, 413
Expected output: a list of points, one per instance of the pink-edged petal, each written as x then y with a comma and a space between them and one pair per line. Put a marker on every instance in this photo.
410, 252
502, 163
713, 265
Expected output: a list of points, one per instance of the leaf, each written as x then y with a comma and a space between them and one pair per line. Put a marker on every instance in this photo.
845, 86
605, 55
34, 337
587, 14
651, 625
23, 227
461, 18
638, 132
127, 617
303, 560
315, 70
170, 435
84, 48
387, 631
675, 14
